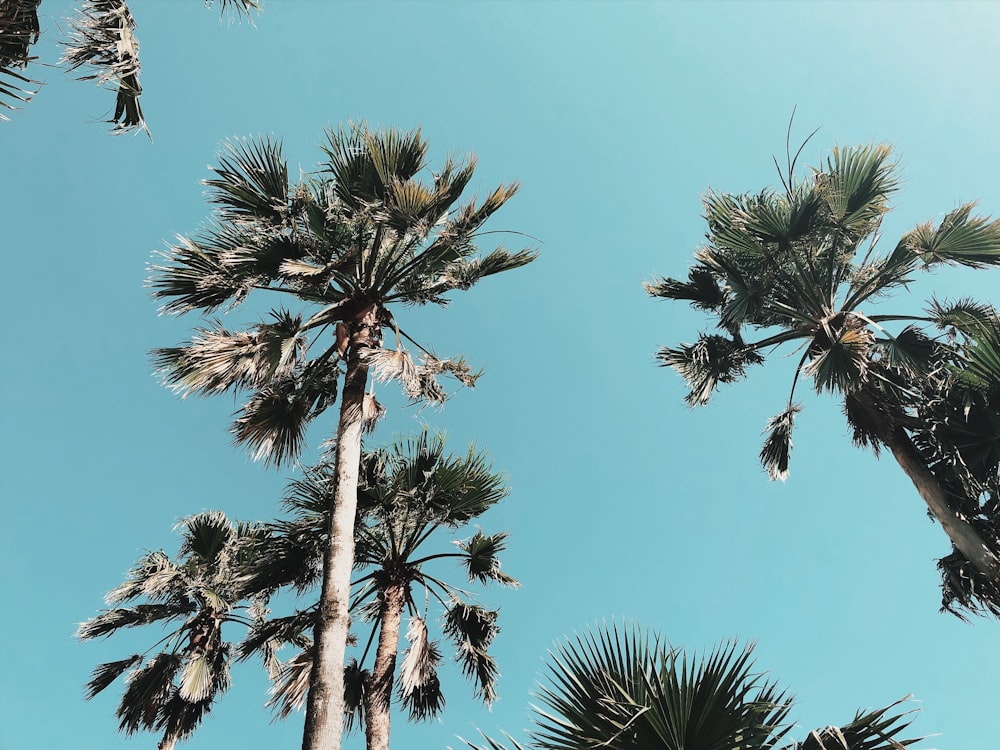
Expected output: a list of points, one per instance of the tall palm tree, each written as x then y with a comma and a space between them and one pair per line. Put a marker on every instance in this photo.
628, 690
801, 265
363, 236
195, 593
410, 494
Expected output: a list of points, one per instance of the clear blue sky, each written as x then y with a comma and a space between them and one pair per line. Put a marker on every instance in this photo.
616, 118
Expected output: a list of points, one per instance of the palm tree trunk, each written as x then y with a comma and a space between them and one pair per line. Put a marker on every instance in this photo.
324, 724
379, 692
962, 534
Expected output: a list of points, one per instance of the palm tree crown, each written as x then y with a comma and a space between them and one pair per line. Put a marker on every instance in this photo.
409, 492
364, 235
198, 591
624, 689
801, 265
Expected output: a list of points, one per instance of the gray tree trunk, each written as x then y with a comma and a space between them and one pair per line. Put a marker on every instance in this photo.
962, 534
379, 694
324, 725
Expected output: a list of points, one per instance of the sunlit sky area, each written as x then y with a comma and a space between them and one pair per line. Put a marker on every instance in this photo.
625, 504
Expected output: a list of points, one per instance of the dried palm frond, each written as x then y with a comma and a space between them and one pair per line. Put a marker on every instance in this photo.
102, 39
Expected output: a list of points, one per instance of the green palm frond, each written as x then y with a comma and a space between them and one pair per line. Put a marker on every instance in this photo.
960, 238
275, 632
839, 356
251, 181
873, 730
857, 184
101, 38
480, 558
206, 536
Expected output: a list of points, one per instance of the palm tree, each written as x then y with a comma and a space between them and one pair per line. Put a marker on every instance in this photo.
362, 236
955, 435
409, 494
197, 592
800, 265
101, 39
628, 690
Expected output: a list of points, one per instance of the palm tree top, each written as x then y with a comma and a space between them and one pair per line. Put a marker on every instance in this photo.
364, 230
624, 688
374, 228
798, 264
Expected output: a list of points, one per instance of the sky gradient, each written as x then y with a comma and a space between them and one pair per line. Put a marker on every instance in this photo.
624, 503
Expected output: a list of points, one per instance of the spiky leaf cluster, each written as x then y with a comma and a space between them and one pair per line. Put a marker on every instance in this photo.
371, 230
626, 689
172, 686
409, 492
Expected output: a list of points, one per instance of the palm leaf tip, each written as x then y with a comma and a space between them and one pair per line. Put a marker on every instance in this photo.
777, 450
705, 364
101, 38
105, 674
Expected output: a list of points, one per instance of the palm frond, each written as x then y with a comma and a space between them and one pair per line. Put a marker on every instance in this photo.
251, 182
193, 277
960, 238
624, 690
419, 688
272, 424
198, 679
701, 289
113, 620
147, 691
18, 32
101, 38
218, 360
839, 355
778, 445
105, 674
875, 730
289, 691
857, 184
911, 351
480, 557
704, 365
155, 576
473, 629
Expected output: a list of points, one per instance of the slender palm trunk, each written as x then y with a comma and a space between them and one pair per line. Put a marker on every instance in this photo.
379, 693
324, 724
962, 534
